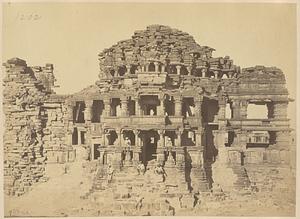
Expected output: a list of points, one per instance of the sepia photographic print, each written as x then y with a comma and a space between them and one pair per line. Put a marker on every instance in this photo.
149, 109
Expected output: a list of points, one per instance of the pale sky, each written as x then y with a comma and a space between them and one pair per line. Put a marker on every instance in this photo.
70, 35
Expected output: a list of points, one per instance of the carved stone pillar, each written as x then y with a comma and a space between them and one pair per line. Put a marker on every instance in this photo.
161, 106
69, 141
216, 73
180, 158
127, 69
137, 139
243, 109
140, 68
198, 134
189, 69
88, 110
124, 105
178, 68
137, 107
235, 107
163, 68
178, 106
121, 138
222, 108
136, 154
161, 138
156, 66
70, 108
104, 139
203, 72
160, 155
198, 104
107, 106
178, 139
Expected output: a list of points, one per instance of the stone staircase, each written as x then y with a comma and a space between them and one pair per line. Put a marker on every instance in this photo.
242, 181
141, 194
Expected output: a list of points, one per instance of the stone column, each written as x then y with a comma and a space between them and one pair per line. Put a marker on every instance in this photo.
198, 104
70, 108
104, 137
280, 110
147, 67
140, 68
178, 105
120, 137
178, 68
180, 158
156, 66
124, 106
69, 137
88, 110
160, 149
161, 138
222, 108
216, 73
189, 69
198, 136
178, 138
137, 107
235, 107
243, 109
163, 68
161, 106
127, 70
203, 71
107, 107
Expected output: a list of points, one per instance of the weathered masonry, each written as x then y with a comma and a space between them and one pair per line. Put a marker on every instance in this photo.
160, 98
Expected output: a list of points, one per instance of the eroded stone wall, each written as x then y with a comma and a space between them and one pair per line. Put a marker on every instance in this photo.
24, 158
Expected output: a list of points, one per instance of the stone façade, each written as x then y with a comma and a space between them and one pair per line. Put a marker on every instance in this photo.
160, 98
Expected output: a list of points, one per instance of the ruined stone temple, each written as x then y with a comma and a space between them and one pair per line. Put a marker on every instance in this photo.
161, 98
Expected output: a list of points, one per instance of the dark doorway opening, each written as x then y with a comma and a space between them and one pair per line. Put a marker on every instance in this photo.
150, 139
96, 151
75, 137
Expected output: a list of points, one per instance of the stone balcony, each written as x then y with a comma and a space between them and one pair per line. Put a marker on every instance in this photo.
140, 121
192, 121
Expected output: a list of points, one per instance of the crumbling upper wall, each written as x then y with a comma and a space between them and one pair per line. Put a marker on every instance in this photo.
161, 44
